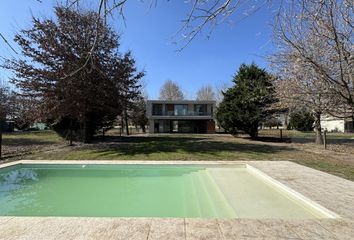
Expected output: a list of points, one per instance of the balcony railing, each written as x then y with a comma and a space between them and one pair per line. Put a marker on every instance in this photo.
182, 113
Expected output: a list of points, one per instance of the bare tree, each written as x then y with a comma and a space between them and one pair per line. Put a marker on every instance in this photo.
221, 88
320, 34
171, 91
299, 87
206, 93
4, 109
200, 15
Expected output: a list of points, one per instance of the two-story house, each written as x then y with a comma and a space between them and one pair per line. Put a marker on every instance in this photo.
181, 116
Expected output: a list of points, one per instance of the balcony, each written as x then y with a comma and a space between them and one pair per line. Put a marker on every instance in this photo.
185, 113
181, 111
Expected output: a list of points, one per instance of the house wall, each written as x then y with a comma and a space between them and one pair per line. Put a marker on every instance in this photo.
211, 126
151, 126
185, 120
333, 125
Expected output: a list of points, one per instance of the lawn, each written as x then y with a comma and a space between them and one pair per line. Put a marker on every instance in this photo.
20, 144
298, 136
47, 145
31, 138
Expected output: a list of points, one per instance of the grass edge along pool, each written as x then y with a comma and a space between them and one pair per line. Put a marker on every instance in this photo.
149, 190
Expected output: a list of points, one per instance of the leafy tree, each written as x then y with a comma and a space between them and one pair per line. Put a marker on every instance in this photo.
206, 93
247, 103
171, 91
79, 85
302, 120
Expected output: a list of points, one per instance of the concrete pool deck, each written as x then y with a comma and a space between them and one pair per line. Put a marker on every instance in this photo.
334, 193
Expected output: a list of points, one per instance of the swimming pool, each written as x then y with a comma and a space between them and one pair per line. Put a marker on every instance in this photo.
144, 190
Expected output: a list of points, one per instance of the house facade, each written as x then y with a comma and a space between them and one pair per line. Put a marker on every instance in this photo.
181, 116
332, 124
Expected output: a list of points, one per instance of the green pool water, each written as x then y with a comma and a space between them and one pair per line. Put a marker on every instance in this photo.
142, 191
110, 190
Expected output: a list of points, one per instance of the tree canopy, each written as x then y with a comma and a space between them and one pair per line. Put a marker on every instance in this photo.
301, 120
78, 85
171, 91
247, 103
206, 93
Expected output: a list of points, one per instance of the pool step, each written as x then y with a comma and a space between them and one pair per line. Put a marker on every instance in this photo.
192, 206
212, 203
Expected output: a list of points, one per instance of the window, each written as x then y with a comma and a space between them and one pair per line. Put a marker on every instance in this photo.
170, 109
157, 109
200, 109
181, 109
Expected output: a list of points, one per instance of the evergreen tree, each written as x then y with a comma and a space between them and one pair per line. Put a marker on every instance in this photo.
247, 103
139, 118
126, 78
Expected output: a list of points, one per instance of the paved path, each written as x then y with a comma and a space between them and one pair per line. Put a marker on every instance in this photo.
334, 193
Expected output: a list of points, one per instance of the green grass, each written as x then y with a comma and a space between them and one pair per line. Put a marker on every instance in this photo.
180, 147
341, 170
31, 138
169, 147
21, 144
298, 134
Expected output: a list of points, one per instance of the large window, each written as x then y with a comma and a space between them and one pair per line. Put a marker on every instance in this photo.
181, 109
200, 109
157, 109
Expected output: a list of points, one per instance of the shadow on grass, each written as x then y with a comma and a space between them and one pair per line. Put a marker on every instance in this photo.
25, 142
147, 139
177, 144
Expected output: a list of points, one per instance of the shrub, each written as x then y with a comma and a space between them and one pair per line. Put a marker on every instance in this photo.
302, 120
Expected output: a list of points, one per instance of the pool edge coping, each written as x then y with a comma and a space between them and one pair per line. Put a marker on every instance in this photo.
288, 190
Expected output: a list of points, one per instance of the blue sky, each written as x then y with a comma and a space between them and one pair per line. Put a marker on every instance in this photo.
148, 34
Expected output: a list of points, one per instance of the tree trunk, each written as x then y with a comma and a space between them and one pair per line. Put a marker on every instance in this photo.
126, 122
85, 132
253, 131
121, 126
318, 130
71, 137
71, 133
286, 121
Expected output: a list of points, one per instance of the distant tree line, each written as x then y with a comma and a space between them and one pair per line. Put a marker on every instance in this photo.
170, 90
